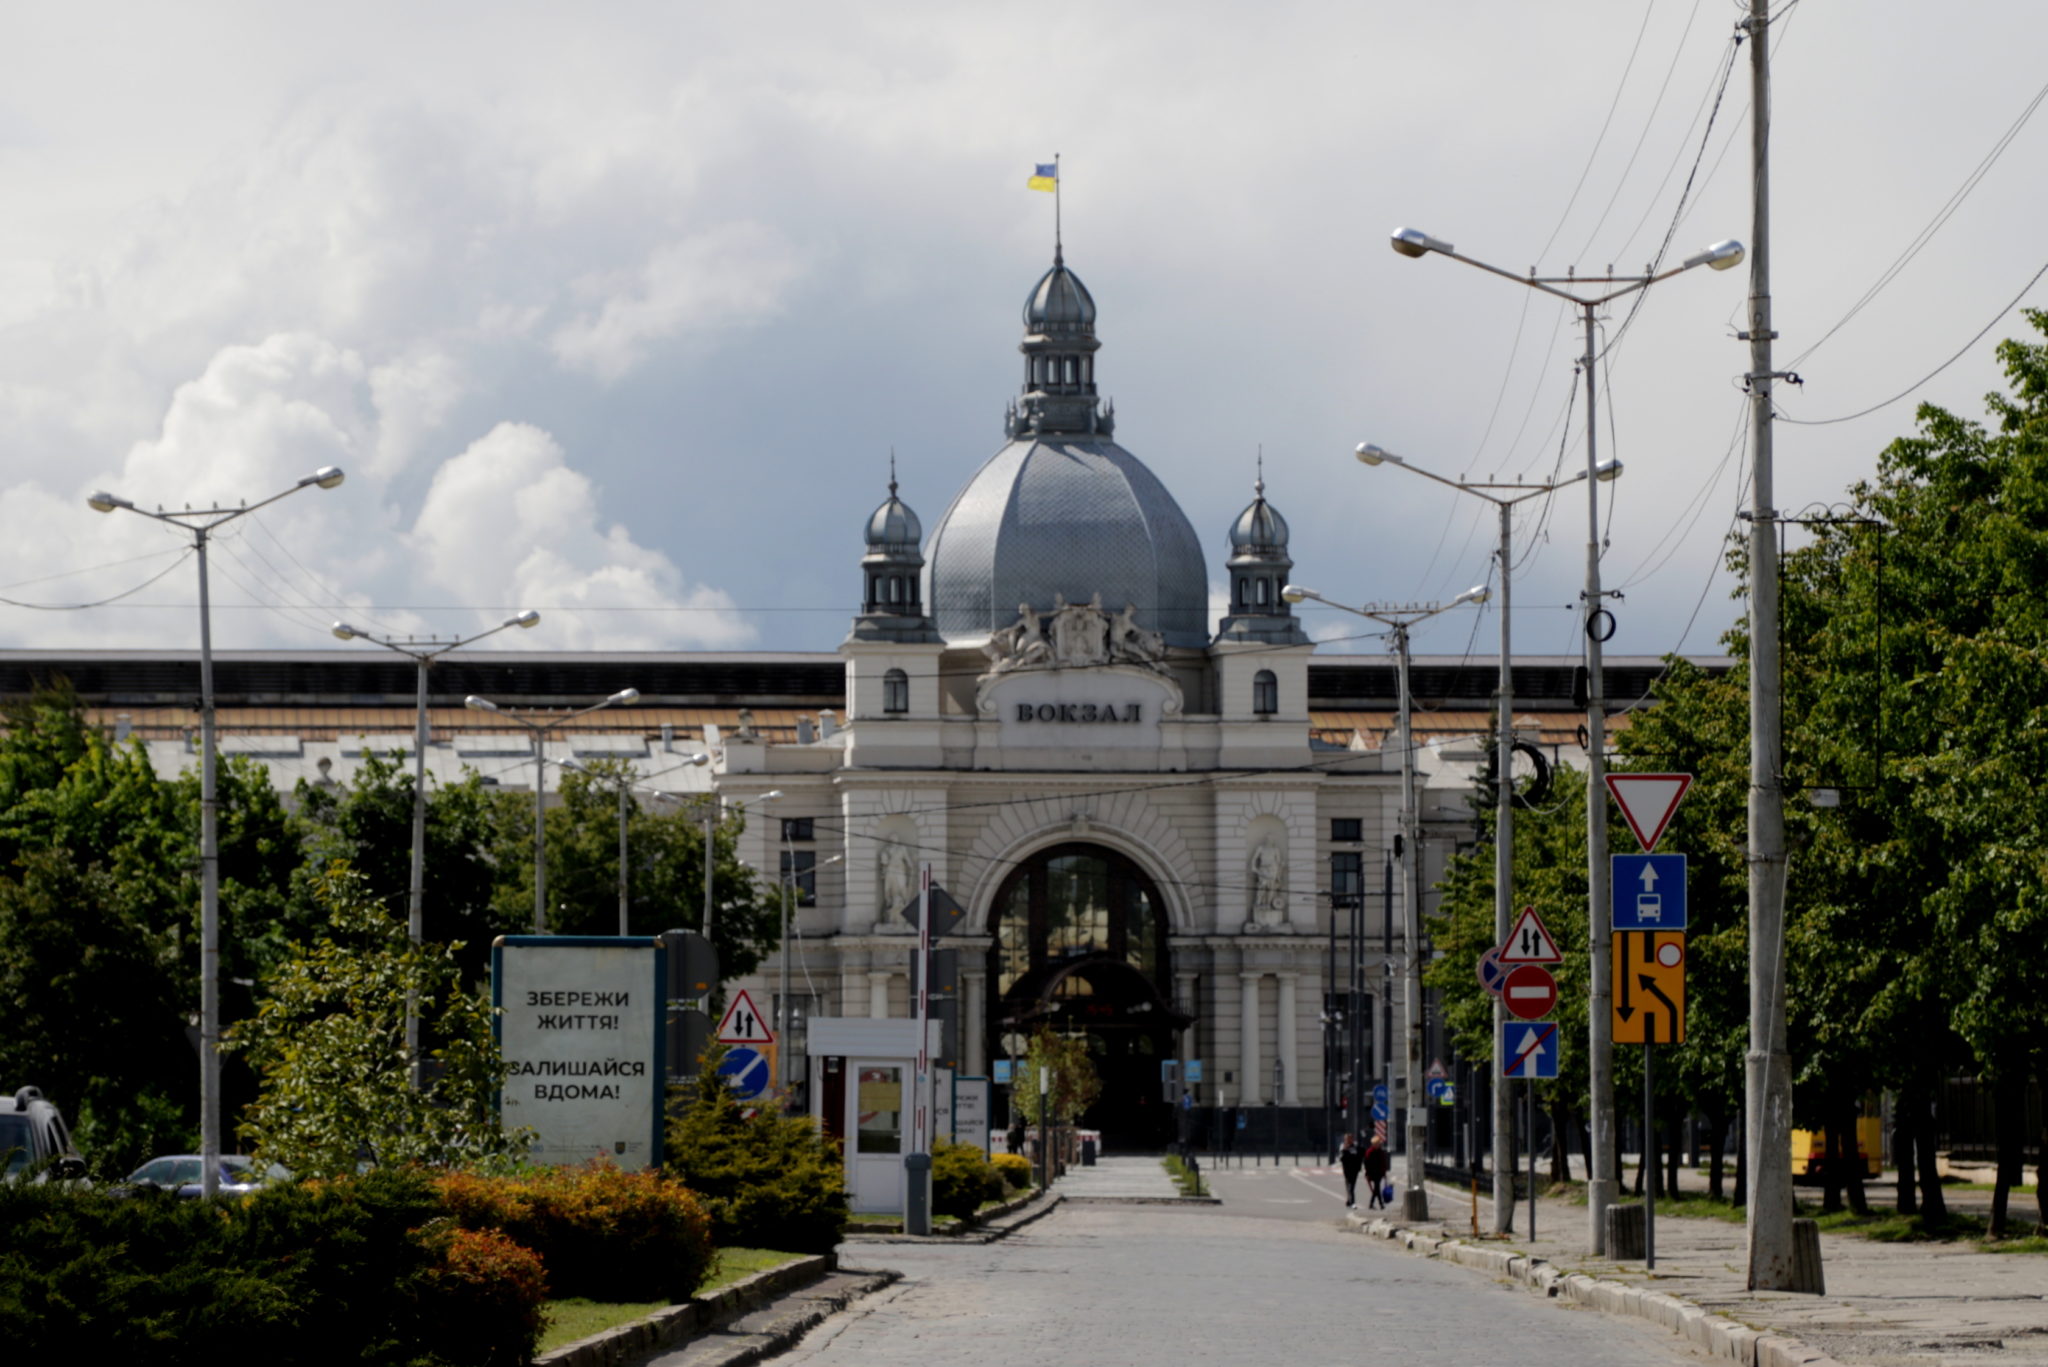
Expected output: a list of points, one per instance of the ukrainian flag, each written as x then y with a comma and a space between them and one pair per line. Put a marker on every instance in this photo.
1046, 177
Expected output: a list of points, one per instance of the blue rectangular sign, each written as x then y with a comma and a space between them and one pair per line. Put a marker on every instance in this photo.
1194, 1070
1528, 1049
1003, 1071
1649, 891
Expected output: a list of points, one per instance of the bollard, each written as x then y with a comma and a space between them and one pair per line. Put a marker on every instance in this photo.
917, 1193
1625, 1230
1806, 1272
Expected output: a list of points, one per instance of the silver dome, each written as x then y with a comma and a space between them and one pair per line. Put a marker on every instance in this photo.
894, 526
1259, 527
1059, 305
1072, 516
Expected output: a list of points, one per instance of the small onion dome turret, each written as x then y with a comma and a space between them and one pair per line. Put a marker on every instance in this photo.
1259, 567
892, 574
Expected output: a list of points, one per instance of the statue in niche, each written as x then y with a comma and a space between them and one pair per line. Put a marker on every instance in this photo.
899, 879
1269, 885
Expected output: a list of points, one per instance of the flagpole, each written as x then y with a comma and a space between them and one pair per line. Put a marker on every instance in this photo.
1058, 254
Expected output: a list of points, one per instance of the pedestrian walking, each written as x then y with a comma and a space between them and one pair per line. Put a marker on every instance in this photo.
1351, 1160
1377, 1165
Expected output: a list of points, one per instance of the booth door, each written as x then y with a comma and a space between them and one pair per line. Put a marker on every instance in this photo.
878, 1123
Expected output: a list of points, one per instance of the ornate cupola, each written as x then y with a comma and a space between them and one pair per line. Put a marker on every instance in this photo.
892, 603
1259, 567
1059, 361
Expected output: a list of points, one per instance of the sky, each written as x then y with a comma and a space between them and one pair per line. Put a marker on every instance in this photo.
619, 312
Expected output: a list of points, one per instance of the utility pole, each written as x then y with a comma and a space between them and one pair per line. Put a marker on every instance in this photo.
1767, 1069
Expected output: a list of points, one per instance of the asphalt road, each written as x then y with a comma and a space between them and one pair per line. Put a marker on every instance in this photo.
1162, 1286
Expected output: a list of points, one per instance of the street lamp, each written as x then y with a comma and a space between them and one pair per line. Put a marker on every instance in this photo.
710, 817
1601, 1188
783, 1060
1415, 1201
201, 524
422, 653
623, 783
1504, 497
539, 730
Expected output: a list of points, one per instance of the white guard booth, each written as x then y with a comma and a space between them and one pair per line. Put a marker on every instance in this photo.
863, 1075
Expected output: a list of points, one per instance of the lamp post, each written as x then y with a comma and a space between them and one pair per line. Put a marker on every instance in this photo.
423, 653
1601, 1186
201, 523
1415, 1200
538, 730
782, 1012
1504, 497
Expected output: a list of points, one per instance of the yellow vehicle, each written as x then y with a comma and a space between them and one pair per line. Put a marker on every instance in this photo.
1810, 1149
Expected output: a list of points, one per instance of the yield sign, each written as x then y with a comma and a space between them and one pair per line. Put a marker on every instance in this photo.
743, 1023
1530, 942
1647, 802
1530, 992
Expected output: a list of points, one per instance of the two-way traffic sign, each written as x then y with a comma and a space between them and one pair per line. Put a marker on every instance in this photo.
1528, 1050
1649, 987
1649, 891
1530, 942
743, 1023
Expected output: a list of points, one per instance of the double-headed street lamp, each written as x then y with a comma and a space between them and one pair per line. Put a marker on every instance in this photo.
1504, 497
1601, 1187
1415, 1201
538, 730
422, 652
201, 524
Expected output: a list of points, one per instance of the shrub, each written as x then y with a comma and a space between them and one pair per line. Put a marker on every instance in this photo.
767, 1180
962, 1178
1014, 1168
489, 1297
601, 1233
312, 1273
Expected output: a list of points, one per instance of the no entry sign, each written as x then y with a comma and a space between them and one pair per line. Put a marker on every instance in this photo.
1530, 992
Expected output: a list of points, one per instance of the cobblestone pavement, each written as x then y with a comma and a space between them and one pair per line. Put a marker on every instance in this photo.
1166, 1286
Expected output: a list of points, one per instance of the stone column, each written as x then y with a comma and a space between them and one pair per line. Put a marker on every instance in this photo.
878, 993
973, 1017
1248, 1085
853, 982
1286, 1027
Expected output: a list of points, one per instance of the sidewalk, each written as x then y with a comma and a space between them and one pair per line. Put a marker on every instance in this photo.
1895, 1304
1122, 1178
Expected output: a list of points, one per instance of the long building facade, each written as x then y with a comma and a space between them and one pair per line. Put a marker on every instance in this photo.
1149, 819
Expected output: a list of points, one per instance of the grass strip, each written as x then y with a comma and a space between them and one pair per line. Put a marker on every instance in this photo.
574, 1318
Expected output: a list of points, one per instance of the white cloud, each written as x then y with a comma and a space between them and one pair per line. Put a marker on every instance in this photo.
508, 522
733, 276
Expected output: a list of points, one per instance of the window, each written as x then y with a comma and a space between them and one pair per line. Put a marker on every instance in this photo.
1263, 587
1347, 878
802, 828
896, 691
1265, 693
1343, 828
800, 871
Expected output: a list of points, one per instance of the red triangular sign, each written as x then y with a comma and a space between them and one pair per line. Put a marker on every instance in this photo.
1647, 802
743, 1023
1530, 942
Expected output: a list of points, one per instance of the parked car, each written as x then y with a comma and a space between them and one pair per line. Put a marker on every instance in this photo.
35, 1144
180, 1172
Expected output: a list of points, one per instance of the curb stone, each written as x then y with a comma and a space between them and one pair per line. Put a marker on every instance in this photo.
1715, 1334
672, 1324
984, 1231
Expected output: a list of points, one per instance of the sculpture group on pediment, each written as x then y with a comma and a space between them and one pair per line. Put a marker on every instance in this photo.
1075, 635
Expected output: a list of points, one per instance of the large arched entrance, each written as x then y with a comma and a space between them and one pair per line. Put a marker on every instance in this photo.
1080, 945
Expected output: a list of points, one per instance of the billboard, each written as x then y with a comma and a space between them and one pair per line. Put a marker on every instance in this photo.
580, 1024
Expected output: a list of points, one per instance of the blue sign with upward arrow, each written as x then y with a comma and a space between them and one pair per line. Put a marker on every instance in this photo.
1649, 891
1528, 1049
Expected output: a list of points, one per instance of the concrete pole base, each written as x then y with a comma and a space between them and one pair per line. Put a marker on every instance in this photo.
1601, 1196
1415, 1204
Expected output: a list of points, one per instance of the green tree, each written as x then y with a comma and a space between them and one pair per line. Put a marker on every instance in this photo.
368, 824
1074, 1083
665, 866
766, 1179
328, 1045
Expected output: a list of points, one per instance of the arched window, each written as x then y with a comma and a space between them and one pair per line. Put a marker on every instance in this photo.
1264, 587
896, 691
1244, 589
1265, 693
